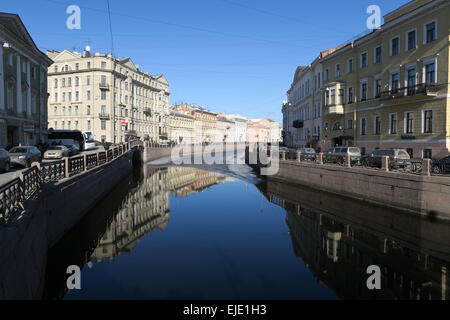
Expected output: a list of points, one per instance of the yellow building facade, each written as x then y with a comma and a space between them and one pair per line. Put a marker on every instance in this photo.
389, 89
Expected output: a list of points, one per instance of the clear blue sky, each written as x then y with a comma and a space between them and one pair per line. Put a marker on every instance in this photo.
235, 56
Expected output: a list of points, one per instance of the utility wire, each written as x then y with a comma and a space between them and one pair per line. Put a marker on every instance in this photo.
177, 25
110, 28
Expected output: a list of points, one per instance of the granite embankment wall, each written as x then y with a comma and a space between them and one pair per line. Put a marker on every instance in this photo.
48, 215
419, 194
417, 233
151, 154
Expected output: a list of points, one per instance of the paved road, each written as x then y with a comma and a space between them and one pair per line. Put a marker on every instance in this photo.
14, 172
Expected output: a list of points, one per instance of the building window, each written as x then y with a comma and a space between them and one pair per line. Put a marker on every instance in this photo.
69, 82
77, 81
338, 70
378, 54
89, 124
88, 65
411, 40
363, 91
428, 121
10, 95
103, 124
103, 95
364, 60
395, 46
393, 123
333, 97
430, 32
341, 96
77, 96
77, 66
350, 95
351, 66
55, 83
377, 125
411, 81
409, 122
88, 95
363, 126
326, 74
349, 124
377, 88
395, 82
88, 80
103, 80
430, 73
88, 110
427, 154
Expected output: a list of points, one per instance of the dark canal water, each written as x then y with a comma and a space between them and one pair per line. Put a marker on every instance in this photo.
184, 233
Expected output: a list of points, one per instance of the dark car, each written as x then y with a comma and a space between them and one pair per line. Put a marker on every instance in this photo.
397, 157
5, 160
73, 149
441, 166
24, 156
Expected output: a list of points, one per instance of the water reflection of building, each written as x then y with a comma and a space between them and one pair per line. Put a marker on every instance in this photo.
147, 207
185, 181
338, 249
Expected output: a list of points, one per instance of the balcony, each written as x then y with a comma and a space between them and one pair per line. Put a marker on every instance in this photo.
424, 89
104, 116
335, 109
148, 112
298, 124
103, 86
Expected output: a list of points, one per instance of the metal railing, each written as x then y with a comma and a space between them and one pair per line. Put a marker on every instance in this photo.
14, 193
410, 166
11, 199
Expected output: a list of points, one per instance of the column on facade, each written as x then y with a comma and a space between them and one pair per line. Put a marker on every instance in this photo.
2, 79
28, 90
19, 85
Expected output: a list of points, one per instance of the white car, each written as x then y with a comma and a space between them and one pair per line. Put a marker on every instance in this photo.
56, 152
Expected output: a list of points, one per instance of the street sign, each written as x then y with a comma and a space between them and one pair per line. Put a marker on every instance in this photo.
124, 124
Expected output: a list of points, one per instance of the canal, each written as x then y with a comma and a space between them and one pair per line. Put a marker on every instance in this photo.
185, 233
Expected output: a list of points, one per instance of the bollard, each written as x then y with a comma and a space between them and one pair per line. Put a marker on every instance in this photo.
348, 161
320, 158
385, 163
283, 155
426, 167
66, 167
85, 161
299, 156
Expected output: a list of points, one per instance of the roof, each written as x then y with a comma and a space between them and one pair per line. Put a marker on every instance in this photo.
11, 23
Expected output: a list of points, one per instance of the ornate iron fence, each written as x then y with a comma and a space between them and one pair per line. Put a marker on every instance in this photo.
76, 165
109, 155
31, 179
414, 166
11, 199
91, 161
14, 193
308, 157
53, 171
101, 158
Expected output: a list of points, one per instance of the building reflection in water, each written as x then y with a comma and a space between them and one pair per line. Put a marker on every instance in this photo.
338, 239
139, 205
147, 207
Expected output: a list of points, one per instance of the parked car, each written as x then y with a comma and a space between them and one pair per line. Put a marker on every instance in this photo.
440, 166
353, 152
396, 156
306, 150
56, 152
5, 160
24, 156
73, 149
